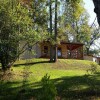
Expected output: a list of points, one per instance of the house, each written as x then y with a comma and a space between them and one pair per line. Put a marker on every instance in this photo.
98, 60
92, 58
65, 50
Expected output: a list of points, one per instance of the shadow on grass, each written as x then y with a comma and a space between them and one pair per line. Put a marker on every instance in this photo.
32, 63
78, 87
8, 91
15, 91
85, 87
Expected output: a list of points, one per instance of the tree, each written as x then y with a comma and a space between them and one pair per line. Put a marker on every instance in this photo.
53, 36
97, 9
51, 46
12, 28
73, 13
16, 26
95, 35
56, 33
75, 23
71, 18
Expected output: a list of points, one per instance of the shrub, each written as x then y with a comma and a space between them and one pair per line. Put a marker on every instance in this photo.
48, 90
93, 68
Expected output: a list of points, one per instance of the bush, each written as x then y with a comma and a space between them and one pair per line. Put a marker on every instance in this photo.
93, 68
48, 90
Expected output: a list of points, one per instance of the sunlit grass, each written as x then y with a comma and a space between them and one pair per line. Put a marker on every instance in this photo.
66, 74
62, 67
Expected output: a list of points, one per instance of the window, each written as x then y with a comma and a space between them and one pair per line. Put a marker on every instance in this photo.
59, 52
46, 49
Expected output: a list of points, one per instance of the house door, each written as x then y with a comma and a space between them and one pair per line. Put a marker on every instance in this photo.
45, 51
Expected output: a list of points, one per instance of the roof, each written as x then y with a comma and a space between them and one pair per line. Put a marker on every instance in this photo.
78, 43
72, 45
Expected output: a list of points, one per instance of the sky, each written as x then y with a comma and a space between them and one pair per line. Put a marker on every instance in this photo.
90, 9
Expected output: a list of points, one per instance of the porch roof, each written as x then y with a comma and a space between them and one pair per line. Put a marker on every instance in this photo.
72, 46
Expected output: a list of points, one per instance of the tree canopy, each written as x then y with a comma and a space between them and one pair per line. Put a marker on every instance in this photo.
17, 25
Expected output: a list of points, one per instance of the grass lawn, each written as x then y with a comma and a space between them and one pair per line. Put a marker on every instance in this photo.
72, 80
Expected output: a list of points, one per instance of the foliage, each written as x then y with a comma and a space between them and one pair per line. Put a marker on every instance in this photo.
78, 26
49, 91
93, 68
73, 21
91, 41
17, 30
94, 52
40, 14
76, 6
75, 25
14, 25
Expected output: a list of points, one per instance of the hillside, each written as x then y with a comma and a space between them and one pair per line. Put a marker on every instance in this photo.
67, 64
63, 67
71, 78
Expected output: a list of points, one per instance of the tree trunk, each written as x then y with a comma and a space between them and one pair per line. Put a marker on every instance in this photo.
56, 34
51, 54
87, 51
3, 65
77, 32
97, 9
55, 53
51, 46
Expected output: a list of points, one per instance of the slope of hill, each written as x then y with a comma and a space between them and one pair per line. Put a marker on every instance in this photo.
63, 67
74, 79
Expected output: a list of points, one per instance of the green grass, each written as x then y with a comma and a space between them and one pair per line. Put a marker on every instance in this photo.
70, 77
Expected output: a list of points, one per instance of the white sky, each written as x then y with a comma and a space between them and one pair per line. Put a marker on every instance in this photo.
90, 9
